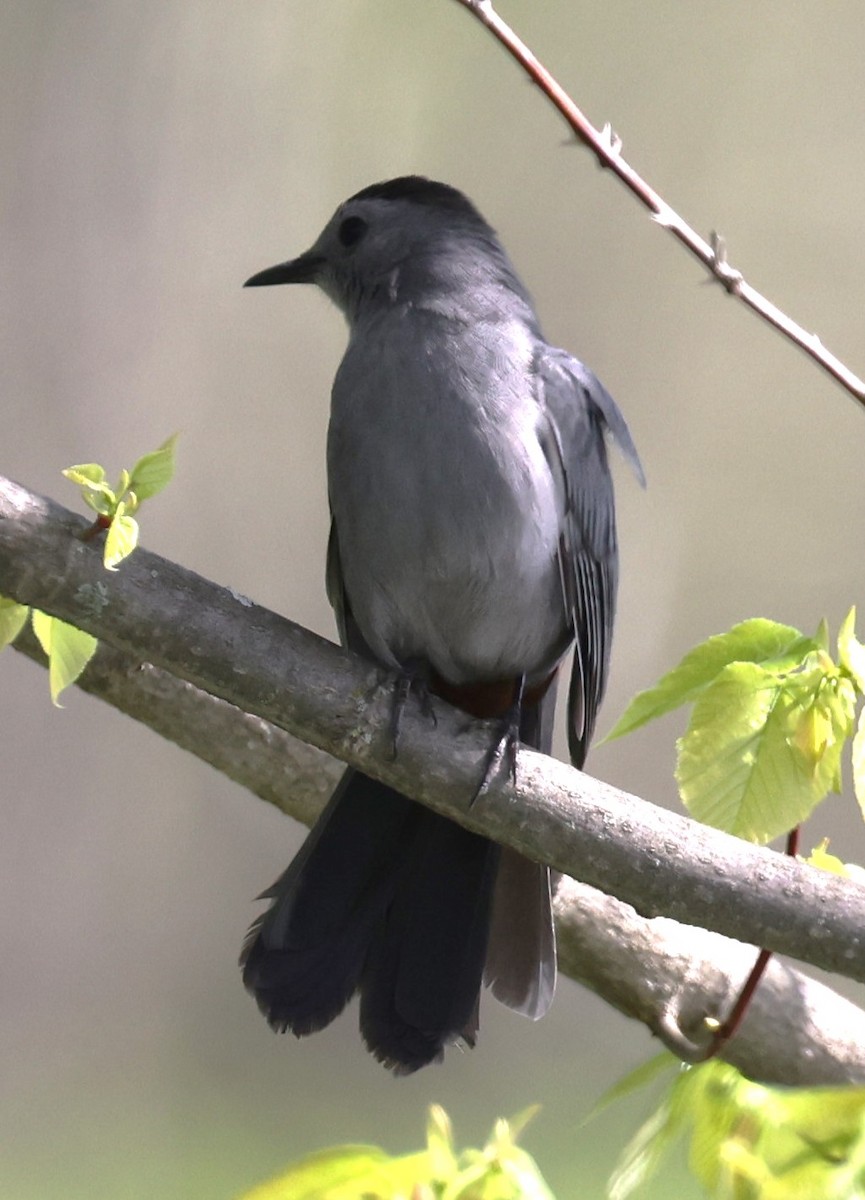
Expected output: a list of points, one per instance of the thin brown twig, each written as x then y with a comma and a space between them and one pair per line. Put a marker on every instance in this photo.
607, 147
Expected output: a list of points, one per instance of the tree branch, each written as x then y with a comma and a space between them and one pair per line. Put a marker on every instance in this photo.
607, 147
659, 972
656, 861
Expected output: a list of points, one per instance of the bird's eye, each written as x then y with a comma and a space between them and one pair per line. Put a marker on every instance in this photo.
352, 230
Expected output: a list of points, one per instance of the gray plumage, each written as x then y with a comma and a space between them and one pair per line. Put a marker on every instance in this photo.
473, 540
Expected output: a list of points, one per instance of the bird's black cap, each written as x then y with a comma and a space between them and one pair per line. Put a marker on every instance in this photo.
419, 190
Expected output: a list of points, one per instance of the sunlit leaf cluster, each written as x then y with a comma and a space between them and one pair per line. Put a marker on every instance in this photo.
499, 1171
772, 714
67, 648
750, 1142
115, 506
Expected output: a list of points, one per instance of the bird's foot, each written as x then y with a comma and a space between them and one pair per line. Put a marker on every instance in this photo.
413, 677
506, 743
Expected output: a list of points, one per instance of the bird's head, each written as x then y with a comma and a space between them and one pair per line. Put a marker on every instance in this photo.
392, 242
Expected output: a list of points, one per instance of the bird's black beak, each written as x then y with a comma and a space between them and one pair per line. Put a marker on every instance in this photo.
299, 270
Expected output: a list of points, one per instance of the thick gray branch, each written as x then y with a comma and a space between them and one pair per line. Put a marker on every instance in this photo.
658, 862
659, 972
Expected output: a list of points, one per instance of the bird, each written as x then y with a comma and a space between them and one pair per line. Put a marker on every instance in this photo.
472, 545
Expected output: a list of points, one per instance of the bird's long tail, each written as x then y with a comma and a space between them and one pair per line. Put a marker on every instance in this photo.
391, 899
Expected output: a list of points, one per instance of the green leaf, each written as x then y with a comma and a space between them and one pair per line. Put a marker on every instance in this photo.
762, 749
851, 652
69, 650
121, 539
102, 503
513, 1127
501, 1171
821, 637
87, 475
774, 1143
754, 641
42, 626
521, 1179
716, 1098
153, 471
653, 1141
859, 762
340, 1173
95, 492
634, 1081
822, 725
12, 618
440, 1146
824, 861
752, 1142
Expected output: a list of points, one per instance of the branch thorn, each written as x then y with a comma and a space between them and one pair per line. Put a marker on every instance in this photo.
726, 275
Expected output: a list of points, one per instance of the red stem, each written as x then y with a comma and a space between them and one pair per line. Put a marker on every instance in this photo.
101, 522
729, 1027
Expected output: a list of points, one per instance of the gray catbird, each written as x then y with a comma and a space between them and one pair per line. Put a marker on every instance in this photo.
472, 544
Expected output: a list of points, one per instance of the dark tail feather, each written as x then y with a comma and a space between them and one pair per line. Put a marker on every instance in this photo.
521, 961
398, 902
420, 987
303, 958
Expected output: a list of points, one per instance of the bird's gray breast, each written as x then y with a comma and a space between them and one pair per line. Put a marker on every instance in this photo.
446, 515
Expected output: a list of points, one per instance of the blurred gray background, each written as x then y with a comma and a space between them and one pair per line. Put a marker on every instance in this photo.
154, 156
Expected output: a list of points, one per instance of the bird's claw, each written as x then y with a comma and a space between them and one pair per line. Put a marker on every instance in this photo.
410, 679
505, 745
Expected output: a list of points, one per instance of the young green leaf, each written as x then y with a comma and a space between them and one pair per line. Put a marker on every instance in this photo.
153, 471
149, 475
95, 492
103, 503
520, 1176
643, 1075
653, 1141
341, 1172
440, 1143
87, 475
824, 861
121, 538
754, 641
501, 1171
513, 1127
782, 1143
859, 762
717, 1100
42, 627
821, 637
69, 650
752, 1142
851, 652
823, 722
12, 618
750, 763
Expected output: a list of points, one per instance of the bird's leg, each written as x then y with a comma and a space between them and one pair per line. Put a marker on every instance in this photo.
413, 677
506, 743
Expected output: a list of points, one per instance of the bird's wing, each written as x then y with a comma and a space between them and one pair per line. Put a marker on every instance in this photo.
576, 411
334, 584
350, 635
